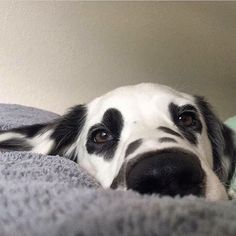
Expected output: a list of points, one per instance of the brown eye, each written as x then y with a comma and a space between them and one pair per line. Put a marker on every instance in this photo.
187, 119
101, 136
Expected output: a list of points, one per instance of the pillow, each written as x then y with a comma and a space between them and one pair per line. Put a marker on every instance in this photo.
231, 122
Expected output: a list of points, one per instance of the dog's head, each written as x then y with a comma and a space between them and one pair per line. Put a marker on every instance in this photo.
148, 138
153, 139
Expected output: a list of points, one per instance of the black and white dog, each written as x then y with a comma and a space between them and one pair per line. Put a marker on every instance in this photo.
147, 137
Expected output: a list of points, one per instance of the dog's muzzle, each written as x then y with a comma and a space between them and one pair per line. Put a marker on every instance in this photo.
169, 172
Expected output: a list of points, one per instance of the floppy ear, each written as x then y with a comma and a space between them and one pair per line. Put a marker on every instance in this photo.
53, 138
223, 142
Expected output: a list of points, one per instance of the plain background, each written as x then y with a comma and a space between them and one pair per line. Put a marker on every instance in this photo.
57, 54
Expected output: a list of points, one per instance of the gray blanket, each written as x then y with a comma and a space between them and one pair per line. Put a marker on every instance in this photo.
50, 195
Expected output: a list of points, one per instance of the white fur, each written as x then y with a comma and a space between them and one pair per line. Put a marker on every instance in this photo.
10, 135
42, 142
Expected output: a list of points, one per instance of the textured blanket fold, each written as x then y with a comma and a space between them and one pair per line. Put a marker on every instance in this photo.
50, 195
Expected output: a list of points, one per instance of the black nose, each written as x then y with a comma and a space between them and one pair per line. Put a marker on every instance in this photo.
171, 172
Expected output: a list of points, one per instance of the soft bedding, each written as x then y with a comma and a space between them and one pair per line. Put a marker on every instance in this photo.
50, 195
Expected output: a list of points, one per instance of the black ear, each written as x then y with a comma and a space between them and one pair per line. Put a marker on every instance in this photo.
67, 129
222, 141
62, 131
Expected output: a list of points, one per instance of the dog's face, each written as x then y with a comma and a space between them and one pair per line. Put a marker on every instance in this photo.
148, 138
151, 139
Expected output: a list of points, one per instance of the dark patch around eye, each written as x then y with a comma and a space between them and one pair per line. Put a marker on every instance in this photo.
112, 121
187, 107
132, 147
188, 132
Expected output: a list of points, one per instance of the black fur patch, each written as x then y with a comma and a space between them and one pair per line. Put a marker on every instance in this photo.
30, 130
167, 139
16, 144
229, 150
218, 136
132, 147
188, 132
67, 129
169, 131
112, 122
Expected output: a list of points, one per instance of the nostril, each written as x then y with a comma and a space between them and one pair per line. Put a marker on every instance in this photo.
171, 172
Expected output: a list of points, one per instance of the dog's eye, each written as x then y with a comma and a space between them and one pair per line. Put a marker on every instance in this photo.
101, 136
187, 119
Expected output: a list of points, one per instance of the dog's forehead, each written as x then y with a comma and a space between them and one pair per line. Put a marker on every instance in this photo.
138, 99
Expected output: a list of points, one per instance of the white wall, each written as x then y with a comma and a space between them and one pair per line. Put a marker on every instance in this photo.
57, 54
